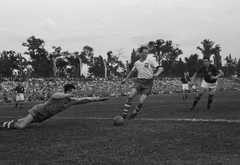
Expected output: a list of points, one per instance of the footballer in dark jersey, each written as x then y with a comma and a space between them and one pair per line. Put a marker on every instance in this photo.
211, 73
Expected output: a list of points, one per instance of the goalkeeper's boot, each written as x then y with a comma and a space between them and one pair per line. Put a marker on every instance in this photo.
132, 116
1, 124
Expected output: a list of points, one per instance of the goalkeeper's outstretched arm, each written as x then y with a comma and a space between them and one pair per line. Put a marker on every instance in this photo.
84, 100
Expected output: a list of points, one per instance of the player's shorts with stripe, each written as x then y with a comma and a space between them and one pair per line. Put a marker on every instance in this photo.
39, 113
185, 87
143, 86
20, 97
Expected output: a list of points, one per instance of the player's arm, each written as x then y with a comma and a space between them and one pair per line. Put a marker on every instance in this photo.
84, 100
159, 71
195, 75
129, 75
61, 96
193, 78
220, 73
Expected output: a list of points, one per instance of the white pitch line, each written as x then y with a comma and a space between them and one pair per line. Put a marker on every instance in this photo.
193, 120
157, 119
143, 119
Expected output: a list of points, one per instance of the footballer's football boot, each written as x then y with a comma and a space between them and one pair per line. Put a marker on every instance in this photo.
124, 116
209, 106
192, 107
132, 116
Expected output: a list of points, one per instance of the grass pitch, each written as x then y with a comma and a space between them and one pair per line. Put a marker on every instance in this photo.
165, 132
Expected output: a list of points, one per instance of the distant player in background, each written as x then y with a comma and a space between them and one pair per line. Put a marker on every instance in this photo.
19, 95
194, 88
211, 73
185, 87
56, 104
145, 68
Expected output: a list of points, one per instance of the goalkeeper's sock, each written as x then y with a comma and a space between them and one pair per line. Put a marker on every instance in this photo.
9, 125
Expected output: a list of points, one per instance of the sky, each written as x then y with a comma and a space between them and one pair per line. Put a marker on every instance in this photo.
120, 25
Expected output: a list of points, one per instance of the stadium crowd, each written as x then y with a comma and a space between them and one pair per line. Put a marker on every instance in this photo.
40, 89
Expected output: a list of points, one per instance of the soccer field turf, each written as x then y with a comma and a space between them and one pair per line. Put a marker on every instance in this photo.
165, 132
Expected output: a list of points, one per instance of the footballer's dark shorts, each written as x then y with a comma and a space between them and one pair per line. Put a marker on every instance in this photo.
144, 86
39, 113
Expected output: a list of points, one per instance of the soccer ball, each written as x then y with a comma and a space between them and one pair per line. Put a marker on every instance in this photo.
118, 121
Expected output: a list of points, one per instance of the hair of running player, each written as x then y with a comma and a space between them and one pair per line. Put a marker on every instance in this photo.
141, 48
205, 58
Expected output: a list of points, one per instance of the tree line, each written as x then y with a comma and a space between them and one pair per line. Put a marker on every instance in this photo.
59, 63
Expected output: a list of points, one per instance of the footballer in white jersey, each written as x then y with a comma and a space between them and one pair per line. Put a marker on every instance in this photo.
146, 69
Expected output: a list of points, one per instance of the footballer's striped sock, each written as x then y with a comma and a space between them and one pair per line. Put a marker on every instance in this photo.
9, 124
127, 106
138, 108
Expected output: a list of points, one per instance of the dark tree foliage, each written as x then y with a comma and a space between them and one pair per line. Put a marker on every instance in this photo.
9, 62
209, 50
98, 69
193, 63
230, 68
64, 64
38, 57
